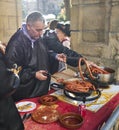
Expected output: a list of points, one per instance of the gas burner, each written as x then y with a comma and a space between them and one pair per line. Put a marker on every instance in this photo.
95, 94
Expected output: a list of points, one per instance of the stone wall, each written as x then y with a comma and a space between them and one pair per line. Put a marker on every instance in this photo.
95, 31
94, 24
10, 18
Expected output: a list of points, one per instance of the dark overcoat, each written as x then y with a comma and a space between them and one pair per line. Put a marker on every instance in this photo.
20, 51
9, 116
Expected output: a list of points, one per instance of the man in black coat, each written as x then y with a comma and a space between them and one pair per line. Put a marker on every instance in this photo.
9, 116
26, 49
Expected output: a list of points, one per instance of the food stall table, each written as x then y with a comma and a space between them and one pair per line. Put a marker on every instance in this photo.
92, 120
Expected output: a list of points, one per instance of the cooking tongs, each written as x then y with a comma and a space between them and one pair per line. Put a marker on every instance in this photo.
88, 68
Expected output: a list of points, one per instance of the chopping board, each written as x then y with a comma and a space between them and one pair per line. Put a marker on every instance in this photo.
66, 74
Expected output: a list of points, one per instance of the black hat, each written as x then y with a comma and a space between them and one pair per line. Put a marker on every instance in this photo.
65, 28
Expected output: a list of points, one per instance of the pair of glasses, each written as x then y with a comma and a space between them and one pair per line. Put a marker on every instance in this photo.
36, 30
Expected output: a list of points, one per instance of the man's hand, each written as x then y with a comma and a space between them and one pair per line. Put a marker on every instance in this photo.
90, 63
40, 75
2, 47
61, 57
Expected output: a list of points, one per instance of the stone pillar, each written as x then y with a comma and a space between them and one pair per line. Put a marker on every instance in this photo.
95, 25
10, 18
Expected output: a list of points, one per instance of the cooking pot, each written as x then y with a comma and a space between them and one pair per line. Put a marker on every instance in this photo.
105, 78
104, 75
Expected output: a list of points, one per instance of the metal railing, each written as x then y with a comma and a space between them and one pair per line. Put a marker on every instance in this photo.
113, 121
